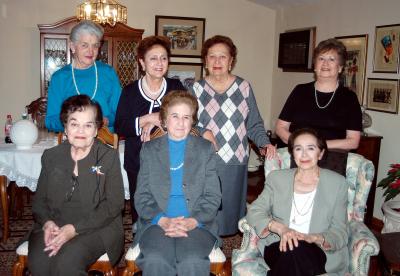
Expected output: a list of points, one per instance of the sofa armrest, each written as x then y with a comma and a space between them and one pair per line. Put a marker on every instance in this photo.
248, 260
362, 245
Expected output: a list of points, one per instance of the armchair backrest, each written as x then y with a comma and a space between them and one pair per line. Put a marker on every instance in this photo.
359, 175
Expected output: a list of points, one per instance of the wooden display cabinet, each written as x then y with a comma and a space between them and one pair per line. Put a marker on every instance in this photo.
117, 49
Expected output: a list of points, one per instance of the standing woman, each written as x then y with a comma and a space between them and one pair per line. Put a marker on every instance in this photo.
324, 105
228, 108
85, 76
139, 106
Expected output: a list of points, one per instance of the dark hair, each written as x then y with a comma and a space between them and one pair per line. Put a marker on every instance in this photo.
178, 97
331, 44
148, 42
227, 41
321, 143
80, 103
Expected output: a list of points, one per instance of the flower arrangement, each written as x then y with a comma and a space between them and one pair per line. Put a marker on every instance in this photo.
391, 182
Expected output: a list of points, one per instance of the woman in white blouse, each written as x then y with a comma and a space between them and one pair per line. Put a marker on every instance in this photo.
301, 213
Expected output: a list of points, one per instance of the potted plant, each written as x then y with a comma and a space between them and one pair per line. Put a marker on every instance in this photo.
391, 208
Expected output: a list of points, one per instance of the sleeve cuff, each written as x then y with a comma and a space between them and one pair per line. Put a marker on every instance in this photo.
137, 127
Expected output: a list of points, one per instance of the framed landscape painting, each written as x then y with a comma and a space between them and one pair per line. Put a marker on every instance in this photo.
185, 33
353, 76
186, 72
383, 95
386, 52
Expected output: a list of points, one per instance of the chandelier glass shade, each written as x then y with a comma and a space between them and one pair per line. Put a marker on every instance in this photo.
102, 12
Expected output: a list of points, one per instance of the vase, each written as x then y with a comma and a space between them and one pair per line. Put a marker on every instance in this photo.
391, 217
24, 134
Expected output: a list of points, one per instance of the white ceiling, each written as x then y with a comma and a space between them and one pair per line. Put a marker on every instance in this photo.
283, 3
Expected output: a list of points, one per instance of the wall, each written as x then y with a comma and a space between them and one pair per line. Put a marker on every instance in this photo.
340, 18
239, 19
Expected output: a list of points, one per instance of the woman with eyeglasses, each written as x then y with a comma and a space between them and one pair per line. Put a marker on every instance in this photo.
79, 199
324, 104
84, 75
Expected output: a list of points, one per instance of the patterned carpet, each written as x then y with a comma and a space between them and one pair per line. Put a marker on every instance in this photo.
19, 228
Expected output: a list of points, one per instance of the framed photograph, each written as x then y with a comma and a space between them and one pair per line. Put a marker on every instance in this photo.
386, 53
295, 50
186, 72
185, 33
353, 76
383, 95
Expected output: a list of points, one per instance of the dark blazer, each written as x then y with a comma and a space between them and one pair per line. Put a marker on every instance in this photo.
329, 215
200, 182
55, 182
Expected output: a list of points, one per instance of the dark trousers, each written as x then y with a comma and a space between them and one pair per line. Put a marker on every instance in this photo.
162, 255
74, 257
132, 179
305, 260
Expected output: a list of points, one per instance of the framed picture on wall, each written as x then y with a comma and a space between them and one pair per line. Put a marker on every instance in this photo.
353, 75
185, 33
383, 95
386, 52
186, 72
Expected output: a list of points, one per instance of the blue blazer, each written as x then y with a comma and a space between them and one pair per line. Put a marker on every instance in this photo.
200, 183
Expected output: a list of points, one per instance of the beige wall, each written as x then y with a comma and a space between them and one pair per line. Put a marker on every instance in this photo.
251, 26
339, 18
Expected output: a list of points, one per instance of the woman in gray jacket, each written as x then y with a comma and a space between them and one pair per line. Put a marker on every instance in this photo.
301, 213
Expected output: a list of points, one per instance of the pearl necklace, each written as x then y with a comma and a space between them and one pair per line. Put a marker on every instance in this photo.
316, 98
176, 168
147, 89
74, 81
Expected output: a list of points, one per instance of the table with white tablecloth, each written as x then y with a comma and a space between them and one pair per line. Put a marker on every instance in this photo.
23, 167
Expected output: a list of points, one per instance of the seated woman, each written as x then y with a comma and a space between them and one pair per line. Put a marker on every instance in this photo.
301, 213
79, 198
177, 195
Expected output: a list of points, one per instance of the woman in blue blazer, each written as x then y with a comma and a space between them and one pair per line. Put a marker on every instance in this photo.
301, 213
177, 196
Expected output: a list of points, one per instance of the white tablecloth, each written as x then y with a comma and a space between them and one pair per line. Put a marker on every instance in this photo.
23, 166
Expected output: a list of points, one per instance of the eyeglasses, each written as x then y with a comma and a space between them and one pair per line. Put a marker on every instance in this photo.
75, 184
73, 125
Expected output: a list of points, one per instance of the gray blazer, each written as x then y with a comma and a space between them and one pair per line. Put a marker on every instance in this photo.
55, 181
200, 183
329, 215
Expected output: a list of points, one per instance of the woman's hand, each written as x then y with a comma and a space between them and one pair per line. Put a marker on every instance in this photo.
49, 228
61, 236
177, 227
152, 118
268, 151
289, 237
210, 137
146, 130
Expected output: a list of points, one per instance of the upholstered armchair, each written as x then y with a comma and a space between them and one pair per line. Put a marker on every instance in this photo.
362, 243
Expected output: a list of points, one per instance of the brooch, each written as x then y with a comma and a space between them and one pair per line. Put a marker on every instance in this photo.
97, 170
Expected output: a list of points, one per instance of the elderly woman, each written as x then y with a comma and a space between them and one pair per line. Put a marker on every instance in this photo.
79, 199
177, 196
301, 213
325, 105
84, 76
229, 110
139, 106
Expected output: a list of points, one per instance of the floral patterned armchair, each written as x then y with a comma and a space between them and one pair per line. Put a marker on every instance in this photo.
362, 243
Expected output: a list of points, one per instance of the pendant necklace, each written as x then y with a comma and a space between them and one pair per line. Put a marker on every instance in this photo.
316, 97
301, 213
74, 81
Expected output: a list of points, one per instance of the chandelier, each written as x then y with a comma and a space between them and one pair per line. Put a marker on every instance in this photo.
102, 11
